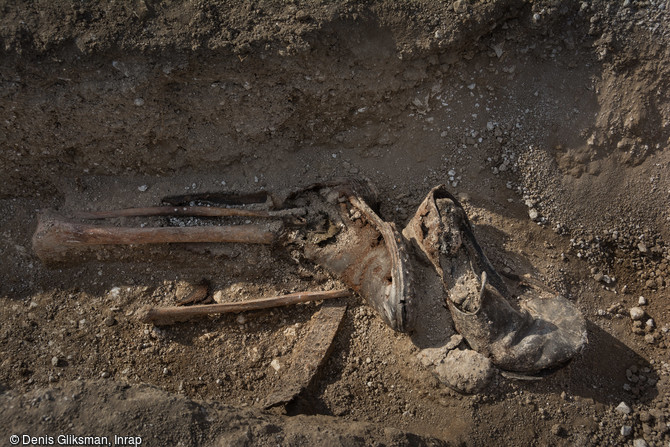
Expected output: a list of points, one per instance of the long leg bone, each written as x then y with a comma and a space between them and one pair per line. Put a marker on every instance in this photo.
199, 211
168, 315
56, 236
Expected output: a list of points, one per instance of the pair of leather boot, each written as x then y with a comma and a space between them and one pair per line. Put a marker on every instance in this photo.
345, 235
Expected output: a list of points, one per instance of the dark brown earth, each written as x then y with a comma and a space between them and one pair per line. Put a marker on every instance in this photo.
551, 120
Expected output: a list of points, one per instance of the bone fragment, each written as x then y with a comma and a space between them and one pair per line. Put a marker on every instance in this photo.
198, 211
161, 316
55, 236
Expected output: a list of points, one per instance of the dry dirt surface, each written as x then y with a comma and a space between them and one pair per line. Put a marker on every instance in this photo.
549, 119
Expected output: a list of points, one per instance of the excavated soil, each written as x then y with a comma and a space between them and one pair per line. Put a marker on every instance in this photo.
550, 120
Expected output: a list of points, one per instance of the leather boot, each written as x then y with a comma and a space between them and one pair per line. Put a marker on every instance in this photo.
545, 331
344, 235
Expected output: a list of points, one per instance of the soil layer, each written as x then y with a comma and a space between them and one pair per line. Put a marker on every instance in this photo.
549, 120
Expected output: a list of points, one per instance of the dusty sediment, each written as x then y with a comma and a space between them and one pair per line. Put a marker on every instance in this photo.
550, 120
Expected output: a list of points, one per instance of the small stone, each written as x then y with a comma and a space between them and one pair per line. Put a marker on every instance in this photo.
533, 214
615, 308
650, 323
219, 296
166, 371
642, 247
104, 374
55, 361
241, 319
454, 341
626, 430
649, 338
114, 292
642, 301
139, 102
275, 365
460, 6
623, 408
110, 321
142, 188
465, 371
639, 442
636, 313
645, 416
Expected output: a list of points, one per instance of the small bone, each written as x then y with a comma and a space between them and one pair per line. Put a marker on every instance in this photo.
55, 236
161, 316
199, 211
